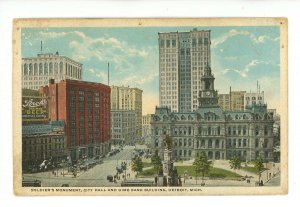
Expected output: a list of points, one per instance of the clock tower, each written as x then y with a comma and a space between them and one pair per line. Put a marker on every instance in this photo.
208, 96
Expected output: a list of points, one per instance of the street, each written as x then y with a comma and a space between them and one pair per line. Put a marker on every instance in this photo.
94, 177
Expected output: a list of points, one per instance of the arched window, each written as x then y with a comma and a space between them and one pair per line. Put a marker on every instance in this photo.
219, 130
209, 130
239, 130
244, 130
51, 69
217, 144
25, 69
190, 142
202, 143
30, 72
200, 130
55, 68
209, 143
40, 69
35, 72
46, 69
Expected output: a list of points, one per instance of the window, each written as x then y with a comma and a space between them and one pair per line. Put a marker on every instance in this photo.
182, 51
200, 41
173, 43
229, 130
168, 43
46, 68
244, 142
25, 69
256, 131
244, 130
30, 69
194, 42
55, 68
51, 69
35, 69
61, 68
40, 69
209, 143
209, 130
162, 43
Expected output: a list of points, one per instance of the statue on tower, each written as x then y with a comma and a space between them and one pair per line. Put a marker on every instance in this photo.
168, 142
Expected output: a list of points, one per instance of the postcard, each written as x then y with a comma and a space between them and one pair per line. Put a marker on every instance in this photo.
150, 106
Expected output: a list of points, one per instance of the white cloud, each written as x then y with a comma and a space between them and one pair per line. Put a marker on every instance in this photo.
257, 40
244, 72
219, 40
91, 70
263, 38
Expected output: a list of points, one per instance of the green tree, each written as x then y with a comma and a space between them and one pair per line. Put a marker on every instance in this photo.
137, 165
259, 166
235, 162
156, 161
202, 165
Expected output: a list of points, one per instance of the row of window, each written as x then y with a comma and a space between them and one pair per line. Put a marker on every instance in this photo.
51, 69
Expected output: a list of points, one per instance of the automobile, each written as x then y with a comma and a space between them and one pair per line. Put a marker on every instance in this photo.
110, 178
65, 185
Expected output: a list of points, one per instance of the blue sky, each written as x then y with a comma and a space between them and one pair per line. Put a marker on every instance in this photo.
240, 56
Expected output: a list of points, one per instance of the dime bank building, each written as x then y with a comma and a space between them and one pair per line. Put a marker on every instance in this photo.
219, 134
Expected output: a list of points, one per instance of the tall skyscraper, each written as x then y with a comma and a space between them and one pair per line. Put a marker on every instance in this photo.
37, 71
183, 56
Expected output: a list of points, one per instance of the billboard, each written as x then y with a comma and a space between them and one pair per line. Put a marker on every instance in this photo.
35, 108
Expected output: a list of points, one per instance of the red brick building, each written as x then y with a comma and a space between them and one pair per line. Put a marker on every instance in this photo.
85, 108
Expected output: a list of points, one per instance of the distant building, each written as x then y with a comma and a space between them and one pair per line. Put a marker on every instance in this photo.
234, 101
123, 126
224, 101
251, 99
85, 108
43, 142
146, 125
37, 71
237, 100
128, 99
183, 56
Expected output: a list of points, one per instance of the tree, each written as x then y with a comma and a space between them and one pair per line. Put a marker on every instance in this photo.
156, 161
235, 162
259, 166
202, 165
137, 165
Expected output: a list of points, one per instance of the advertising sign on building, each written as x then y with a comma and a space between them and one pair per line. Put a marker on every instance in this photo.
35, 108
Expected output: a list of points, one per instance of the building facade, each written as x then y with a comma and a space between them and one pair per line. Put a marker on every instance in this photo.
182, 59
237, 100
128, 99
221, 135
37, 71
85, 109
251, 99
146, 125
43, 142
224, 101
234, 101
123, 126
